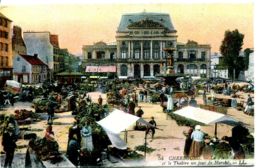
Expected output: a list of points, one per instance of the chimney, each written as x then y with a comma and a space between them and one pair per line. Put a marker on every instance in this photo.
35, 55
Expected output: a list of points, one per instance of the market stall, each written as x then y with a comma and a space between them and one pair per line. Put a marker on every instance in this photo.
205, 116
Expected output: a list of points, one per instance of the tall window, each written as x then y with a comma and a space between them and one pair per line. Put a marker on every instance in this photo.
192, 55
24, 68
156, 50
180, 55
147, 70
89, 55
137, 50
146, 48
123, 70
124, 50
156, 69
203, 55
203, 69
100, 54
123, 54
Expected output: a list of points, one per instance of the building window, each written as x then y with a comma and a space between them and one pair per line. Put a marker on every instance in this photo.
123, 70
146, 50
156, 50
24, 68
156, 69
192, 55
136, 54
6, 47
180, 55
147, 70
123, 54
89, 55
203, 55
18, 58
203, 69
112, 56
6, 61
137, 49
100, 55
192, 69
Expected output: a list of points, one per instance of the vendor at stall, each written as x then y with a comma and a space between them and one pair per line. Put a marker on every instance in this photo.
197, 144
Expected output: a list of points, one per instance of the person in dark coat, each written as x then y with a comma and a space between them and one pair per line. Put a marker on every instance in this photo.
188, 142
152, 128
73, 150
51, 107
139, 112
9, 144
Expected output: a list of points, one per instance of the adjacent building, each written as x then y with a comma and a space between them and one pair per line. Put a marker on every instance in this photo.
39, 43
5, 49
18, 44
249, 74
139, 49
29, 69
216, 70
46, 45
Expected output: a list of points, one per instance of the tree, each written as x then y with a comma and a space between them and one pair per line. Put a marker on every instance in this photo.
230, 48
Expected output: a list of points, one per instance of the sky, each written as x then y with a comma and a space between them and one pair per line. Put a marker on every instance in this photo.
84, 24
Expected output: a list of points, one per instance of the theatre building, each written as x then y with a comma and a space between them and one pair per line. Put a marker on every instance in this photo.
139, 50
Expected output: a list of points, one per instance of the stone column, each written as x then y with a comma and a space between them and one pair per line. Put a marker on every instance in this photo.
94, 54
142, 48
161, 51
142, 70
132, 50
118, 69
151, 70
118, 50
129, 71
129, 49
151, 49
198, 73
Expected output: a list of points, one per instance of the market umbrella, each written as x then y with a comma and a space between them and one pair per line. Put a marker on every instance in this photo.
205, 116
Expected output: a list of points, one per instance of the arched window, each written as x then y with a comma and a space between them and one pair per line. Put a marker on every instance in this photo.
147, 70
180, 69
192, 69
123, 70
156, 69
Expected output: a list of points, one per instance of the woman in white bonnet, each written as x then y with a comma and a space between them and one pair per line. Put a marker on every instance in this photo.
197, 144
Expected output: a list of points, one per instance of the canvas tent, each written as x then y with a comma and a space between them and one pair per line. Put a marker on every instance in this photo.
205, 116
116, 122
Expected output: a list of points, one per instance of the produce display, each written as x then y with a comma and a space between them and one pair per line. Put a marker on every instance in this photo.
40, 105
46, 149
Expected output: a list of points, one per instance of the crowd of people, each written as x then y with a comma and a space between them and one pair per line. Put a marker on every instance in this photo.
80, 139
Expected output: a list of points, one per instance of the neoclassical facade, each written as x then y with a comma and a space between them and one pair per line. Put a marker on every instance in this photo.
139, 51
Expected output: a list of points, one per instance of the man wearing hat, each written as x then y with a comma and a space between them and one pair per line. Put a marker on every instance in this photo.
9, 144
197, 144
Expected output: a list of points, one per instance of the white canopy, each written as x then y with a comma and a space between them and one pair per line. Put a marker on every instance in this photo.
204, 116
116, 122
